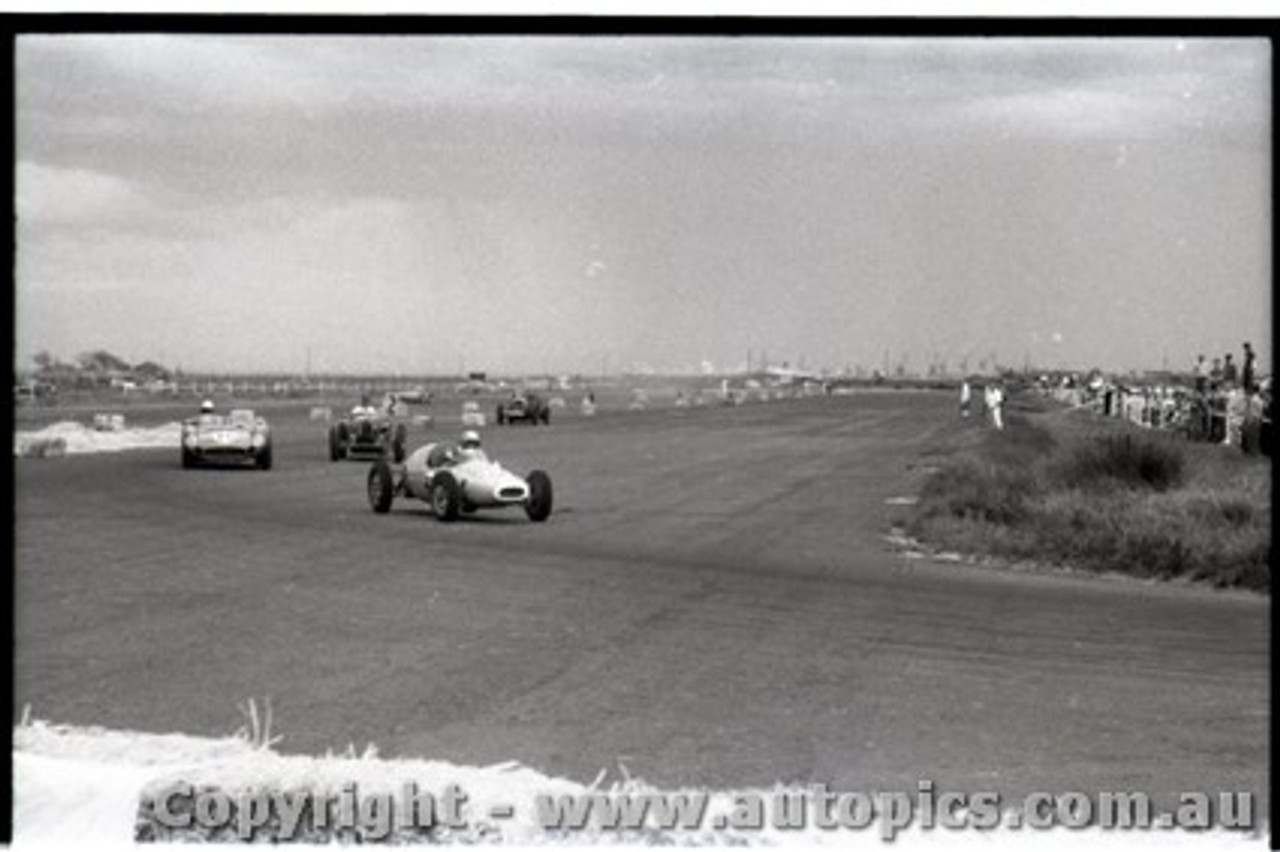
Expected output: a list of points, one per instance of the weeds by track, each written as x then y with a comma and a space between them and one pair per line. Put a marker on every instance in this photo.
1065, 489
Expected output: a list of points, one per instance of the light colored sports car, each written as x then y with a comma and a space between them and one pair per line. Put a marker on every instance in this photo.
239, 437
453, 480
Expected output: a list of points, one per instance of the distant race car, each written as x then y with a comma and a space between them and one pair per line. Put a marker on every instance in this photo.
416, 396
239, 437
529, 408
369, 435
452, 481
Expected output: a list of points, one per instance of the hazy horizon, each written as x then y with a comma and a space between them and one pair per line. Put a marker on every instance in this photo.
561, 205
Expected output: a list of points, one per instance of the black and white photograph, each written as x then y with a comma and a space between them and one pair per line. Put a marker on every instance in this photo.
675, 433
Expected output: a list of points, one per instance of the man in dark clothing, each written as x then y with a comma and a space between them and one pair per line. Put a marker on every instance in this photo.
1229, 375
1215, 374
1246, 374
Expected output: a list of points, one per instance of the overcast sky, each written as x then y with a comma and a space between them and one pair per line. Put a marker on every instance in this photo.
544, 204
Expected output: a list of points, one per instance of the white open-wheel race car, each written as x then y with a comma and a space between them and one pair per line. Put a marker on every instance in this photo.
453, 480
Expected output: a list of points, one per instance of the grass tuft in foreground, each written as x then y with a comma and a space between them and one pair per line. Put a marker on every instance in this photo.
1059, 489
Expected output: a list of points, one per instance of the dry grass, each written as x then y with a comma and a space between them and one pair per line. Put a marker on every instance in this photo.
1065, 489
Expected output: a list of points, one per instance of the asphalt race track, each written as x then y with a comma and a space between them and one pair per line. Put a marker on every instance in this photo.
712, 603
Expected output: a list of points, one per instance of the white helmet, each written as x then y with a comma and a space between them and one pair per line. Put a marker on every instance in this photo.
470, 440
206, 407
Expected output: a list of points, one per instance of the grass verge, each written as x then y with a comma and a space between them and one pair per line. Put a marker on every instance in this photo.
1062, 489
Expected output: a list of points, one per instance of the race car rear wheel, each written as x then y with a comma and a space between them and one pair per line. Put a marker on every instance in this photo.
446, 498
335, 443
538, 506
502, 416
188, 458
264, 457
381, 487
545, 417
397, 443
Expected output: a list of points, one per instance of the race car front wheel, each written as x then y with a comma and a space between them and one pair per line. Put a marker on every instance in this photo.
446, 499
538, 506
381, 487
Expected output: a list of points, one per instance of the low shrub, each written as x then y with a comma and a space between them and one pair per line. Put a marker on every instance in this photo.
974, 491
1102, 501
1126, 460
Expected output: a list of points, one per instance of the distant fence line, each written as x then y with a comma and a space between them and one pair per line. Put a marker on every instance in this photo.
246, 387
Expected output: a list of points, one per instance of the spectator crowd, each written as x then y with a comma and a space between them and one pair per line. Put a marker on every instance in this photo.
1219, 401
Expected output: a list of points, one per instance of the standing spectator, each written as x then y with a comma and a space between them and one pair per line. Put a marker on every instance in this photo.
1199, 374
1229, 374
1235, 410
993, 397
1198, 420
1264, 427
1251, 429
1215, 374
966, 398
1246, 373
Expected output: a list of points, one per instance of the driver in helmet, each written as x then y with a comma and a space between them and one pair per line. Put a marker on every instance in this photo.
364, 409
468, 446
206, 411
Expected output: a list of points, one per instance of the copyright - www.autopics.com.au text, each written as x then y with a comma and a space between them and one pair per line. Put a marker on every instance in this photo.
256, 814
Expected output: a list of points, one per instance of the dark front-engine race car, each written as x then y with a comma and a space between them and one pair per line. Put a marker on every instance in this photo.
239, 438
365, 435
527, 408
453, 479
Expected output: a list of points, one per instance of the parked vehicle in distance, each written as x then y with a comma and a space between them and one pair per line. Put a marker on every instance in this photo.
414, 396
